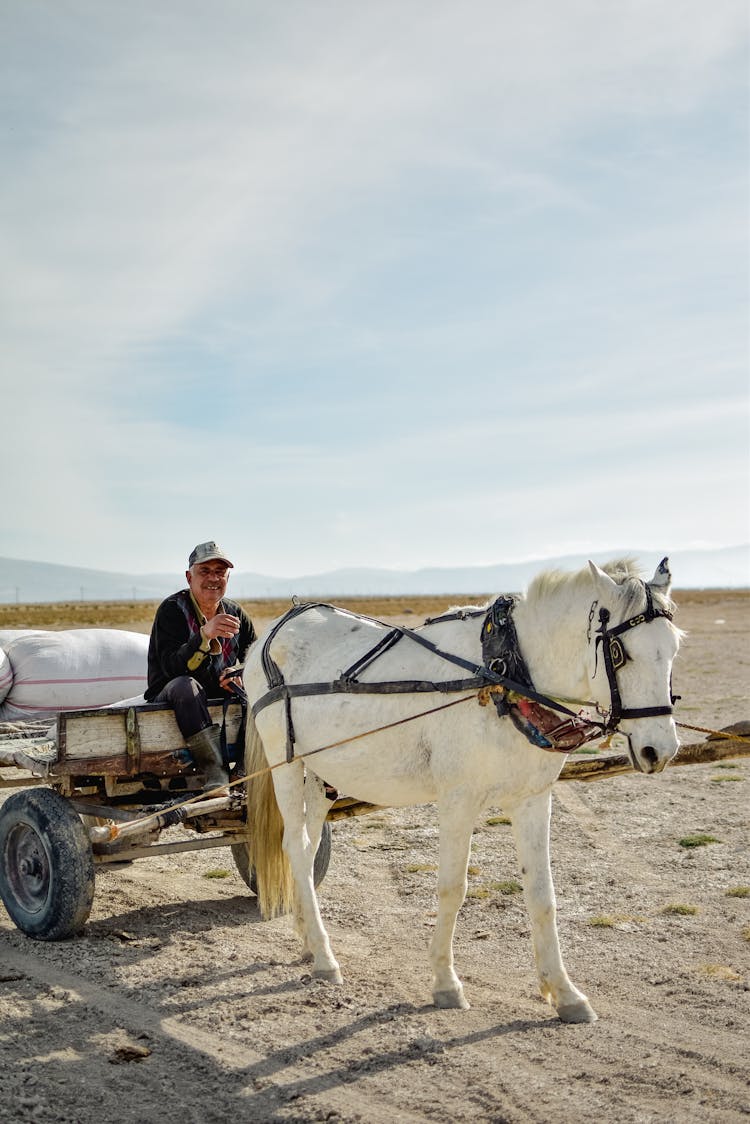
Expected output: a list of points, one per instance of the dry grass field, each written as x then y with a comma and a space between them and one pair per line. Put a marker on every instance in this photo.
179, 1004
136, 616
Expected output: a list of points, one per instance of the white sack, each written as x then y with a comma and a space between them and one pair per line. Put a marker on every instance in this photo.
137, 700
8, 635
6, 675
73, 670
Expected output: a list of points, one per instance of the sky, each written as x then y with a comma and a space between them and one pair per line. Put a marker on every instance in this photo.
397, 284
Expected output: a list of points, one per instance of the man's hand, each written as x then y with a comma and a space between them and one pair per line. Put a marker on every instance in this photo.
220, 627
227, 680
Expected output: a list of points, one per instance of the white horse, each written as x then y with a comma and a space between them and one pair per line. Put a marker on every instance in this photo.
463, 757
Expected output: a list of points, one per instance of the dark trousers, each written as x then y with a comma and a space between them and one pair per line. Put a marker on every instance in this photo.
188, 700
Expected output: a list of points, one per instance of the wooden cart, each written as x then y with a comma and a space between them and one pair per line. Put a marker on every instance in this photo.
102, 793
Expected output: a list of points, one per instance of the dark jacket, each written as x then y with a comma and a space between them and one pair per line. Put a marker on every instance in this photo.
175, 645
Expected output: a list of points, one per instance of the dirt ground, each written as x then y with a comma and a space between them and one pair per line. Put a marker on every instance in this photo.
179, 1003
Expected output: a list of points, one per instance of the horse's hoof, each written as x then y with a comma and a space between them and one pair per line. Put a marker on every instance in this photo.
577, 1013
454, 1000
330, 975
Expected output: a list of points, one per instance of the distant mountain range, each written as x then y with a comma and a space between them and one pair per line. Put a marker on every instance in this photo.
24, 581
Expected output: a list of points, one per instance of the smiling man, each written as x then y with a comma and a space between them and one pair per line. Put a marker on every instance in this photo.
197, 634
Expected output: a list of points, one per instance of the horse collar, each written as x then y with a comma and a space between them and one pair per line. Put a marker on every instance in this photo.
502, 656
501, 652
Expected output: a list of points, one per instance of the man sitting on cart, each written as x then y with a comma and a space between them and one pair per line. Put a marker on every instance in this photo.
197, 635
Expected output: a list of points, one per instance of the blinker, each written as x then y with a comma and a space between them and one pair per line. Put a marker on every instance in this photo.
617, 653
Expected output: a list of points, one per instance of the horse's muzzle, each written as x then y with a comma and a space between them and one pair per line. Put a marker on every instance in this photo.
647, 759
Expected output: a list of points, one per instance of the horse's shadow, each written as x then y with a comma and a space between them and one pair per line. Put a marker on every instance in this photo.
428, 1051
156, 925
300, 1071
142, 931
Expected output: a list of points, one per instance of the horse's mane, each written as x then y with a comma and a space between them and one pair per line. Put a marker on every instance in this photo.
624, 571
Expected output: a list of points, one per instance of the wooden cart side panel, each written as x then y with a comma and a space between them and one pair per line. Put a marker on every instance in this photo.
165, 764
132, 733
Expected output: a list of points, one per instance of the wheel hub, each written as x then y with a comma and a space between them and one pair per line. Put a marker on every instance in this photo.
28, 867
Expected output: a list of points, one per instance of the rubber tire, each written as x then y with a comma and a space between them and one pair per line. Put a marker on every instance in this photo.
53, 901
320, 867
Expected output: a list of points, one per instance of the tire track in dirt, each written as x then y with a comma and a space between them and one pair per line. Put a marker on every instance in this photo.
248, 1075
596, 831
528, 1069
134, 1016
671, 1056
608, 1071
716, 1051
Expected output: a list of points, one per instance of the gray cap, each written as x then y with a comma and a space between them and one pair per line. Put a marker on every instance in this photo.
207, 552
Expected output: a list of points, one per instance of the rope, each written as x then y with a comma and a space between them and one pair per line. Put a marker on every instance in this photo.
716, 733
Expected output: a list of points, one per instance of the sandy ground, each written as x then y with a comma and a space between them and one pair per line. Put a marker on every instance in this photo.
179, 1003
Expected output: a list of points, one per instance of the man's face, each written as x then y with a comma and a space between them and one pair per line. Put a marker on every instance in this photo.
208, 580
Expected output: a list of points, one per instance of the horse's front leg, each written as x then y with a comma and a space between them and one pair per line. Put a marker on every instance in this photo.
456, 823
304, 807
531, 821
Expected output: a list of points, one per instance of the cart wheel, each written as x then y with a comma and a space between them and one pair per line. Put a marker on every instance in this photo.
320, 867
46, 865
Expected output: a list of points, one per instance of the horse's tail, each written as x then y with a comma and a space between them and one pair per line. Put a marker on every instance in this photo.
273, 873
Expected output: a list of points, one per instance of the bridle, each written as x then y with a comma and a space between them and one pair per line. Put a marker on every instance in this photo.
615, 657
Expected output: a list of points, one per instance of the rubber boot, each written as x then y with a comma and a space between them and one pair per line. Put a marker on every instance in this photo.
205, 749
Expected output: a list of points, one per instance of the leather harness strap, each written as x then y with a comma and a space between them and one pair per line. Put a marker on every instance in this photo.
481, 677
534, 714
364, 661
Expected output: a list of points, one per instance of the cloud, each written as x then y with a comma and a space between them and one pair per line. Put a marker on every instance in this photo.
257, 250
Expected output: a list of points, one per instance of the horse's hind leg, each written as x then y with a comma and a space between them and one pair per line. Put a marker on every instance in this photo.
304, 808
531, 832
456, 822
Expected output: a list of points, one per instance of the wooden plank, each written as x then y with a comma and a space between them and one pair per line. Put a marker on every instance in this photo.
130, 733
700, 753
712, 750
164, 764
347, 808
151, 849
133, 739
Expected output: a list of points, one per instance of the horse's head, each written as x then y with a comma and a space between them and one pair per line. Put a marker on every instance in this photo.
631, 655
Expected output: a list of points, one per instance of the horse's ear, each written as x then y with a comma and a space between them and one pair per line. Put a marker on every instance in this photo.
602, 581
662, 578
